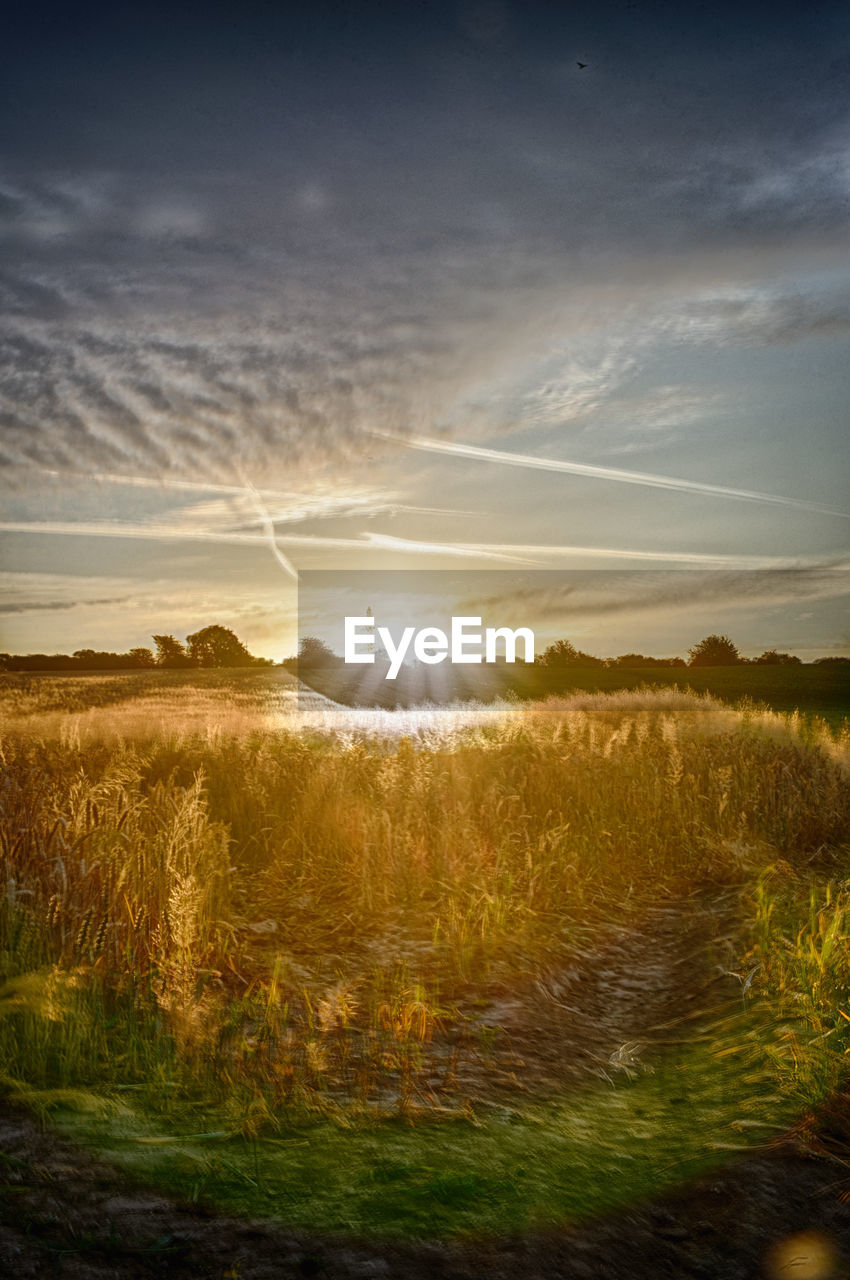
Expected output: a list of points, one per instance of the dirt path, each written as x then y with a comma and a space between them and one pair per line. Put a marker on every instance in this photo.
64, 1214
662, 980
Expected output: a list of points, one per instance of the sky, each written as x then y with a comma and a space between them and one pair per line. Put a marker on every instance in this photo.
425, 286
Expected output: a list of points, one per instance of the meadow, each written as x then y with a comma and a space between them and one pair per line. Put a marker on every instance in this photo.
816, 689
446, 969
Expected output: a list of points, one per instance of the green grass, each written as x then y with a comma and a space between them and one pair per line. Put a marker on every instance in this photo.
509, 1171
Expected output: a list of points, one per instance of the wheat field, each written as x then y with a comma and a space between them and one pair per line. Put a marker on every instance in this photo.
231, 906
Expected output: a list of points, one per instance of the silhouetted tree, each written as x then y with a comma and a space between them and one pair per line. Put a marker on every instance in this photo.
564, 654
770, 658
142, 657
41, 662
216, 646
641, 660
102, 660
715, 651
170, 652
313, 652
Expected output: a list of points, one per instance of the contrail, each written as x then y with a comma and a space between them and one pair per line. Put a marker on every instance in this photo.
145, 532
600, 473
516, 553
268, 525
368, 541
467, 550
162, 482
323, 505
532, 553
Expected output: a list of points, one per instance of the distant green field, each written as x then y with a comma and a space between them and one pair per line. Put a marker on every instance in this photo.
819, 690
814, 690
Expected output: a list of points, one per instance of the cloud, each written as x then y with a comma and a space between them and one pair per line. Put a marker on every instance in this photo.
320, 500
53, 611
59, 605
576, 388
200, 359
245, 258
579, 597
759, 315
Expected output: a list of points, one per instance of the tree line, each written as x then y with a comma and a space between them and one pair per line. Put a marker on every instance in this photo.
212, 646
217, 646
711, 651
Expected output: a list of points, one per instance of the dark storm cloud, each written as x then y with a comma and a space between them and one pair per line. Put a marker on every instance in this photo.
241, 237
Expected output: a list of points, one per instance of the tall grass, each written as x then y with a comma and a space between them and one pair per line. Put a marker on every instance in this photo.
282, 909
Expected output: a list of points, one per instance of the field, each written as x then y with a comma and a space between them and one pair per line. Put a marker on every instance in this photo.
479, 968
813, 689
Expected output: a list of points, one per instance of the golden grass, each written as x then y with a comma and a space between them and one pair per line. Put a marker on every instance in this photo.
281, 900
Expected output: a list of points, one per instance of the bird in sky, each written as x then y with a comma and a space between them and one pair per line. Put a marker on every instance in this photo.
581, 65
